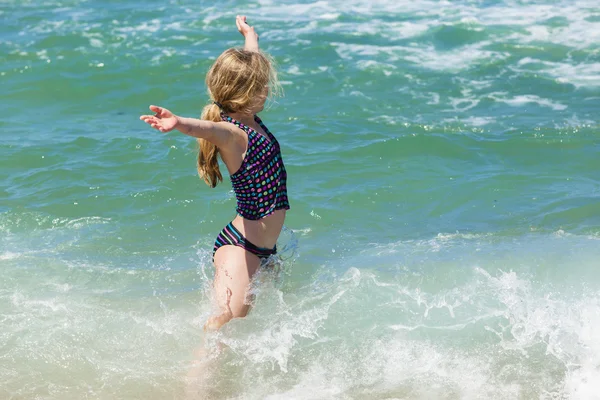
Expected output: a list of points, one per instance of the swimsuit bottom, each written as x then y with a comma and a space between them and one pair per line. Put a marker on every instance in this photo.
231, 236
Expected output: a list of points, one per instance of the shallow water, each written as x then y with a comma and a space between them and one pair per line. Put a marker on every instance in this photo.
444, 235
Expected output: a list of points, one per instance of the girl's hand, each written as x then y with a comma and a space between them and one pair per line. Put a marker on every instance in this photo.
244, 28
164, 120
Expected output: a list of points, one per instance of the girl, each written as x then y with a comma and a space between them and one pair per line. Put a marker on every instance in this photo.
238, 85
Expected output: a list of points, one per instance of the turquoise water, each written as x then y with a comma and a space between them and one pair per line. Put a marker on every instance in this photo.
444, 235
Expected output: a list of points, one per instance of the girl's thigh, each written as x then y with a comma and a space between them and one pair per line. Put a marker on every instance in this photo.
235, 268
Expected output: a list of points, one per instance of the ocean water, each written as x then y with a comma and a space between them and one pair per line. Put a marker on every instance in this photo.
444, 177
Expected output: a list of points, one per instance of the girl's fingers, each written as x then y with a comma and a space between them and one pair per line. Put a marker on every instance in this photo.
158, 110
240, 21
154, 120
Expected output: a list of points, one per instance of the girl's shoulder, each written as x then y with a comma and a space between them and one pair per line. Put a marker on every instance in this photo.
239, 136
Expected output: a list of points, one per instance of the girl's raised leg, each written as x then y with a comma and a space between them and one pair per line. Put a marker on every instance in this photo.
235, 268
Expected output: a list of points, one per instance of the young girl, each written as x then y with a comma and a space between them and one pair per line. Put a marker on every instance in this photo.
238, 85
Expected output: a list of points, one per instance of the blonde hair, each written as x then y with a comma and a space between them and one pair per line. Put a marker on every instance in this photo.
235, 81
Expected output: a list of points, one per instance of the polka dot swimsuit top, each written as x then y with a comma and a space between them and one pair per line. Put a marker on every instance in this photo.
260, 183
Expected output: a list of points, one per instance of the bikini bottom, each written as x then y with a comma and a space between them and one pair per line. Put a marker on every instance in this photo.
231, 236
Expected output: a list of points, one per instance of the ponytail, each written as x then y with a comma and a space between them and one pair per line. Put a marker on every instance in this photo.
234, 83
208, 165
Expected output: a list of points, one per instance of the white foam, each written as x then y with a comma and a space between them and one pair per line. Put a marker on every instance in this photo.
361, 332
404, 363
478, 121
462, 104
80, 222
521, 100
167, 52
581, 75
22, 302
581, 380
568, 330
579, 34
425, 56
454, 60
397, 30
307, 11
575, 30
47, 26
9, 255
294, 70
151, 26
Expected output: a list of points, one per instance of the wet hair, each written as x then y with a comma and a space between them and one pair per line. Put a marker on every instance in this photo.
235, 83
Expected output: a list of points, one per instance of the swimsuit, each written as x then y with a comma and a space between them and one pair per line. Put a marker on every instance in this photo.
230, 235
260, 183
259, 186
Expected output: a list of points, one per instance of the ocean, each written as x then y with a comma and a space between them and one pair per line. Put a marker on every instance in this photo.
443, 240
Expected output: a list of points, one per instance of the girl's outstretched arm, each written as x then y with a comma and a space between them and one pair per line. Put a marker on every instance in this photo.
250, 35
165, 121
